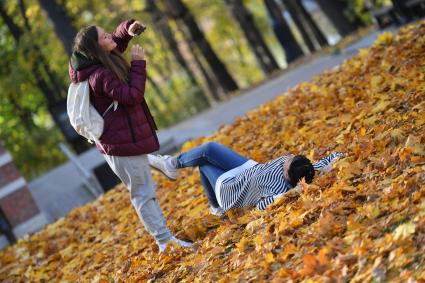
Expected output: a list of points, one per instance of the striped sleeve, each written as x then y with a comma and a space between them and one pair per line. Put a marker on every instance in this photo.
325, 164
265, 202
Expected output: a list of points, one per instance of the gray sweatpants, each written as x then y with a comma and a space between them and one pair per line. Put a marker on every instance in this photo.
134, 172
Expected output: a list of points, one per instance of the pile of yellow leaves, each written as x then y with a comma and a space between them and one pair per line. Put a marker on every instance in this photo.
364, 221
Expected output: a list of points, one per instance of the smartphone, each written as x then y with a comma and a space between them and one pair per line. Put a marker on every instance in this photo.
140, 30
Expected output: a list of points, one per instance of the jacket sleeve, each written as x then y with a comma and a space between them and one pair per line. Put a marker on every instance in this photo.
130, 93
265, 202
121, 36
325, 164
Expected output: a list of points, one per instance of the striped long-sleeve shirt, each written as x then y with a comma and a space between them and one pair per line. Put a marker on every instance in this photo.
258, 184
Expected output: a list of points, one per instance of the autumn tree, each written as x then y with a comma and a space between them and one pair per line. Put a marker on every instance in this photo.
210, 80
312, 25
335, 10
362, 221
300, 24
36, 44
178, 11
28, 86
161, 24
307, 26
255, 40
283, 32
61, 21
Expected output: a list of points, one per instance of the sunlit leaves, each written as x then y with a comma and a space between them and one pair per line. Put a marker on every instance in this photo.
178, 98
404, 230
361, 222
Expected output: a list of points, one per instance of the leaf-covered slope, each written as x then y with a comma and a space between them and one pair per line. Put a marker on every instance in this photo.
363, 221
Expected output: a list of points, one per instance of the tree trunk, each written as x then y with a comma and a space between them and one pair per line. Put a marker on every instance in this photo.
208, 80
14, 29
161, 24
212, 86
17, 32
61, 22
334, 10
300, 23
255, 40
57, 84
402, 10
178, 11
318, 34
213, 90
52, 96
283, 32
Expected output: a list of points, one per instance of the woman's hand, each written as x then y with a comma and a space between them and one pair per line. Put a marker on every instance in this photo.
136, 28
137, 53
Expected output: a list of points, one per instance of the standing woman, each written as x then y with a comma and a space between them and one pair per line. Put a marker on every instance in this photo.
129, 129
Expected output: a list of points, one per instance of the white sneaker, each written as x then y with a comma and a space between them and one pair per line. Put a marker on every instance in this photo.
160, 162
179, 242
217, 211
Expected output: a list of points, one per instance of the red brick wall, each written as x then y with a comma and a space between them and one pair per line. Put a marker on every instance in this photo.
19, 206
8, 173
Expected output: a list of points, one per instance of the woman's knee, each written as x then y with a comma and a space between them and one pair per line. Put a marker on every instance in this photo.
211, 146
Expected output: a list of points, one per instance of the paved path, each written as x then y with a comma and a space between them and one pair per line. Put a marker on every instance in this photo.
226, 112
60, 190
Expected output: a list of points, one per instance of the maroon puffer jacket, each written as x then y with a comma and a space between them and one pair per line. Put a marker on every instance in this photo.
130, 130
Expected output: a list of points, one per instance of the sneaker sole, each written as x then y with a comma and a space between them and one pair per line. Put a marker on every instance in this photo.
163, 173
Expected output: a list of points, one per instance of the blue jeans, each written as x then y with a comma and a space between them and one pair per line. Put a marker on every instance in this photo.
213, 159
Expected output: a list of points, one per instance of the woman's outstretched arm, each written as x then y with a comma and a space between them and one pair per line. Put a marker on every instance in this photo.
121, 35
265, 202
325, 164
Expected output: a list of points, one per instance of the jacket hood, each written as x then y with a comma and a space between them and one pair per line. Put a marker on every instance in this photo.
80, 67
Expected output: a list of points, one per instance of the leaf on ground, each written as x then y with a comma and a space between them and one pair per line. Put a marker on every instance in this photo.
361, 222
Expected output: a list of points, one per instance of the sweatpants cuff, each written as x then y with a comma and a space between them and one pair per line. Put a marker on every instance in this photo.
163, 238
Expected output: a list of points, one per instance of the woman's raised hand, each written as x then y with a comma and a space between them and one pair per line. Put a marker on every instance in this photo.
136, 28
137, 52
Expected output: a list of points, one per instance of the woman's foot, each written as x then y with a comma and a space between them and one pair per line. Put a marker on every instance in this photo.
217, 211
179, 242
164, 163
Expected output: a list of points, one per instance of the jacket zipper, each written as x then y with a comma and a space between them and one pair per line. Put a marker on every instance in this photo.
151, 121
131, 127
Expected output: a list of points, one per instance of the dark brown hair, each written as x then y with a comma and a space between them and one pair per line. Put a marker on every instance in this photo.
86, 42
300, 167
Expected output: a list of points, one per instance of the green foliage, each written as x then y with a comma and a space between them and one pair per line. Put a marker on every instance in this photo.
360, 9
26, 126
228, 40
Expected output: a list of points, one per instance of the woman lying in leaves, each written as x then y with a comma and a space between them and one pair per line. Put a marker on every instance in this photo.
231, 180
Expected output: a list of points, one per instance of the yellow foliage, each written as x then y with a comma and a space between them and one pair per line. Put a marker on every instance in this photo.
384, 38
361, 222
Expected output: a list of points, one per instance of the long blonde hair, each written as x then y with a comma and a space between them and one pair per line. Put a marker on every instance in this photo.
86, 42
